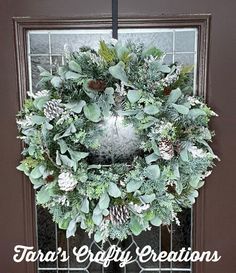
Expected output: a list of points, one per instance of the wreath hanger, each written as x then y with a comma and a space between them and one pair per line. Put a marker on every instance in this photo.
115, 19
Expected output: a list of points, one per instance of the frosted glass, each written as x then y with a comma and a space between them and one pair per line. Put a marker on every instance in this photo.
185, 41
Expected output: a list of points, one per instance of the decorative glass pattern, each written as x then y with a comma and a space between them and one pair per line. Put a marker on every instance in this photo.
46, 48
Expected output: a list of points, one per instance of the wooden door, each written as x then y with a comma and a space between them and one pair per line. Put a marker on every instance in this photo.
214, 214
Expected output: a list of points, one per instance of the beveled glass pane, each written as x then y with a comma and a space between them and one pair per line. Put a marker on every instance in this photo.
166, 243
150, 238
133, 268
36, 61
39, 43
184, 58
46, 234
75, 41
149, 37
185, 41
56, 62
62, 242
95, 268
79, 240
182, 235
168, 59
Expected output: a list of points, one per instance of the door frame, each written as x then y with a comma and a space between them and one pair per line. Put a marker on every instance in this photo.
23, 24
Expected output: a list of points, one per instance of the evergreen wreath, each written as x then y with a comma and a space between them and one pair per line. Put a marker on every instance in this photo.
61, 127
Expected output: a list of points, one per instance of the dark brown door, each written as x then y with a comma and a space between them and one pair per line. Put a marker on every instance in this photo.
215, 222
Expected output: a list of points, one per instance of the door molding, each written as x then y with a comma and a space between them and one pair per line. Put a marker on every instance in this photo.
23, 24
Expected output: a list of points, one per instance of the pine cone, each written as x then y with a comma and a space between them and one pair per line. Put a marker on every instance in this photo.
166, 149
66, 181
50, 178
53, 109
97, 85
171, 189
167, 91
119, 214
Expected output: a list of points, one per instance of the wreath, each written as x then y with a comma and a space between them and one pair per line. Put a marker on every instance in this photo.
64, 125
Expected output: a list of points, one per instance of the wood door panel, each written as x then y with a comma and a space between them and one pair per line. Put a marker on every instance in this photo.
218, 221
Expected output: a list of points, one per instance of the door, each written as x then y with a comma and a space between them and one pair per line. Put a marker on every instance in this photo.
213, 227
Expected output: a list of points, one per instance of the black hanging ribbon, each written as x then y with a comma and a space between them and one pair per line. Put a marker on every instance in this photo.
115, 19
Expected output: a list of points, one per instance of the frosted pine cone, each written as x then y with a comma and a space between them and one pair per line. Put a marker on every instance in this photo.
119, 214
166, 149
53, 109
66, 181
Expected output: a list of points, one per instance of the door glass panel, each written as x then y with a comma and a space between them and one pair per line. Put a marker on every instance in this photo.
47, 48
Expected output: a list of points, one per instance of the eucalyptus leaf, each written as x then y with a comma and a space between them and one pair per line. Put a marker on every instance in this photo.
156, 221
85, 205
64, 223
70, 75
94, 166
43, 72
74, 66
76, 107
63, 146
155, 147
23, 168
184, 155
122, 51
67, 161
152, 51
118, 72
176, 170
92, 112
98, 236
151, 109
151, 158
97, 218
39, 120
77, 156
37, 183
134, 95
109, 92
36, 173
106, 107
128, 112
164, 68
105, 212
194, 181
148, 198
71, 229
58, 159
113, 190
43, 196
179, 186
104, 201
69, 131
134, 185
174, 95
153, 172
40, 102
195, 113
56, 82
181, 108
61, 71
48, 126
135, 226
